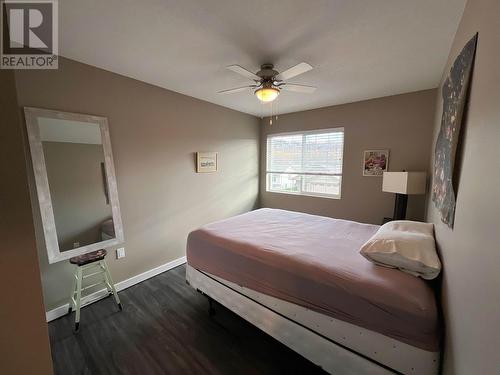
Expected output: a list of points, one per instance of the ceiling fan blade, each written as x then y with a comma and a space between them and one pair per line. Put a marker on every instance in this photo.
243, 72
294, 71
237, 89
298, 88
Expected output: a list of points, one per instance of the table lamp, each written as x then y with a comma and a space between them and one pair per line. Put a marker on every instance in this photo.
403, 184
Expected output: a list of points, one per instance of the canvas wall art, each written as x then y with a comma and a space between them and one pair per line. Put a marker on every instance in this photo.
206, 162
454, 93
375, 162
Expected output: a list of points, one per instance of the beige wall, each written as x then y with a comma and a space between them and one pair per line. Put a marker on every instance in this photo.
471, 251
77, 191
401, 123
24, 342
154, 134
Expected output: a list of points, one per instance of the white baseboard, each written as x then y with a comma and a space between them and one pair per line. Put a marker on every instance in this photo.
96, 296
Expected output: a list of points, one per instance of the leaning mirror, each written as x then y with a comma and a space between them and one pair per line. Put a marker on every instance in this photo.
75, 182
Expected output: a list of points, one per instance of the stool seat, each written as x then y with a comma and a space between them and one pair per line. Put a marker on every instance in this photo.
84, 259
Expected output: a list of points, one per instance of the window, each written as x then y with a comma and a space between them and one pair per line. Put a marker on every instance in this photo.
306, 163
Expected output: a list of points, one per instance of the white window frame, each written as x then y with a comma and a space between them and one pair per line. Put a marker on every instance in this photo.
307, 194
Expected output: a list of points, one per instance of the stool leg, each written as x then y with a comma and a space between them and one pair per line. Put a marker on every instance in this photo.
109, 280
78, 298
73, 291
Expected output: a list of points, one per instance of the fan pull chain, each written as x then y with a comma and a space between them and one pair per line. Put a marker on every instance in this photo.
271, 117
272, 111
276, 117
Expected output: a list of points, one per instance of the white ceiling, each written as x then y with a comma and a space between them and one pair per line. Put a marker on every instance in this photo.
360, 49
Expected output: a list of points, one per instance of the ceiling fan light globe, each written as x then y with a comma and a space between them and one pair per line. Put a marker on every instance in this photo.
267, 94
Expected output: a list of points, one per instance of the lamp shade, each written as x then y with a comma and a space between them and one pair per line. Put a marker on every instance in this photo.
267, 94
404, 182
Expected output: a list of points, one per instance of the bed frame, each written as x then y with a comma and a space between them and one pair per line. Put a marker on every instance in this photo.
334, 345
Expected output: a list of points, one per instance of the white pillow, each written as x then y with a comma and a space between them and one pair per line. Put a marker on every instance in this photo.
407, 245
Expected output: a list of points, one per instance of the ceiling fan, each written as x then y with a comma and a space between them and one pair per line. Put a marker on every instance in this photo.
268, 82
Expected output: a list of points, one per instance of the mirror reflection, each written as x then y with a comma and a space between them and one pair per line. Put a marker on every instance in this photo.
74, 158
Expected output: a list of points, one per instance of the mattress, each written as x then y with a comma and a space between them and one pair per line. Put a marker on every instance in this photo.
314, 262
108, 229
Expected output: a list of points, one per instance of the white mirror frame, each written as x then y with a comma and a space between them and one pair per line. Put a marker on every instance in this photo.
42, 184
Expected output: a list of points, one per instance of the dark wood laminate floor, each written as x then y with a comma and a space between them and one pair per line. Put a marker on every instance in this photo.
165, 329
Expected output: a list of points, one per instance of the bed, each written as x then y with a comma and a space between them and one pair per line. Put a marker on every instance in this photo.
301, 279
107, 230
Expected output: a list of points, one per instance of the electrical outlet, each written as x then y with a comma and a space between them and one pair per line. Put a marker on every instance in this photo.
120, 253
76, 244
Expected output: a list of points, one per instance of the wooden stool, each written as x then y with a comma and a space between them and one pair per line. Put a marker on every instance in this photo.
95, 263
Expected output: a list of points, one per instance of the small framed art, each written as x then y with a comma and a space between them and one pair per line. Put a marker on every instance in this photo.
375, 162
206, 162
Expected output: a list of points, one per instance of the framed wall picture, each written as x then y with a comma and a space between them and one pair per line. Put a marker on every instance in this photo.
455, 95
375, 162
206, 162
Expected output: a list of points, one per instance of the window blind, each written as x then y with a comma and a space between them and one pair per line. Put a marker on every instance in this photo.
307, 163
